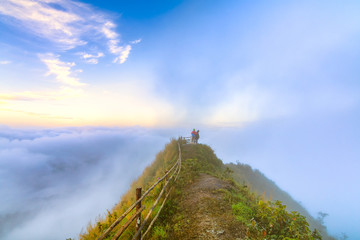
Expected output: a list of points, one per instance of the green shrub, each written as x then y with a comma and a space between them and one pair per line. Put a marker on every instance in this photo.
242, 212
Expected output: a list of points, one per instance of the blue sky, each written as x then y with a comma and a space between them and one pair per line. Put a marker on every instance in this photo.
209, 63
280, 76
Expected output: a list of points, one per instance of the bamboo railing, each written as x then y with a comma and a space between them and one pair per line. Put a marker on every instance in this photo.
173, 173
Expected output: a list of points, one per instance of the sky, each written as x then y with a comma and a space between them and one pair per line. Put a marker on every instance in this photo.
274, 84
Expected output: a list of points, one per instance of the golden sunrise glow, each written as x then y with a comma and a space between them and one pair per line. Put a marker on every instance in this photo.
127, 104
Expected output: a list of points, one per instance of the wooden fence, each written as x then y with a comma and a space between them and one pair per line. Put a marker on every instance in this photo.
169, 176
186, 139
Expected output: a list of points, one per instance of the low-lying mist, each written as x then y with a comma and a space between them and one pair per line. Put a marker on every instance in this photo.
53, 182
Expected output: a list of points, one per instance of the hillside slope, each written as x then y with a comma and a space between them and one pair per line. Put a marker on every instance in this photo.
207, 203
260, 184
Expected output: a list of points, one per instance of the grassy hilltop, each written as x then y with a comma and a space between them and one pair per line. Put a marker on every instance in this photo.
212, 200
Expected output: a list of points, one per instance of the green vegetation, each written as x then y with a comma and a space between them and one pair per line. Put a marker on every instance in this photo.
270, 220
243, 213
260, 184
159, 233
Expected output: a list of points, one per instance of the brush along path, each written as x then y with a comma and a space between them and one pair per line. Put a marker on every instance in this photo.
207, 211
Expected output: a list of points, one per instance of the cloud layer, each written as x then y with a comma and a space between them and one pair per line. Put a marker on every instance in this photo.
50, 176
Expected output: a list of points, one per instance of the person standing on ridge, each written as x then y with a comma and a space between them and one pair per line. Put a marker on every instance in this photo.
193, 133
197, 136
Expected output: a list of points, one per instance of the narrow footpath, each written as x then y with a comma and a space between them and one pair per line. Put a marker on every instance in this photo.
207, 211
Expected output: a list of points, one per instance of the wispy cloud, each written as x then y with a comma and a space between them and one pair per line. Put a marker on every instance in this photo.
61, 70
90, 58
136, 41
44, 20
67, 24
4, 62
114, 45
123, 52
107, 30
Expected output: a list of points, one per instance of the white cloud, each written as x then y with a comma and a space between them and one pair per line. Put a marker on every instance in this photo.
123, 54
44, 20
107, 30
86, 55
61, 70
4, 62
92, 61
90, 58
114, 43
136, 41
67, 24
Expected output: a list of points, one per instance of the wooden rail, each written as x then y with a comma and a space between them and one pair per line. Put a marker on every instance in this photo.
174, 172
186, 139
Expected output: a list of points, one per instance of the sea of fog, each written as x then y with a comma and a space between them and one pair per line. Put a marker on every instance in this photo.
53, 182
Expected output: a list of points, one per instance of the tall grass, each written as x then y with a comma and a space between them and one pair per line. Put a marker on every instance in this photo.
163, 161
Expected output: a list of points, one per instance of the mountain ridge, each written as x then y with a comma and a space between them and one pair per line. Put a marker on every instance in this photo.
227, 200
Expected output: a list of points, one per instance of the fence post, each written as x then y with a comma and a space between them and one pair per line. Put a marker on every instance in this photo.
138, 206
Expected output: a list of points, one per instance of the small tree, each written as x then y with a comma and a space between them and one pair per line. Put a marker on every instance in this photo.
321, 217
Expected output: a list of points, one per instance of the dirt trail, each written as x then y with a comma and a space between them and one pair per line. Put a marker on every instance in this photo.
207, 211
